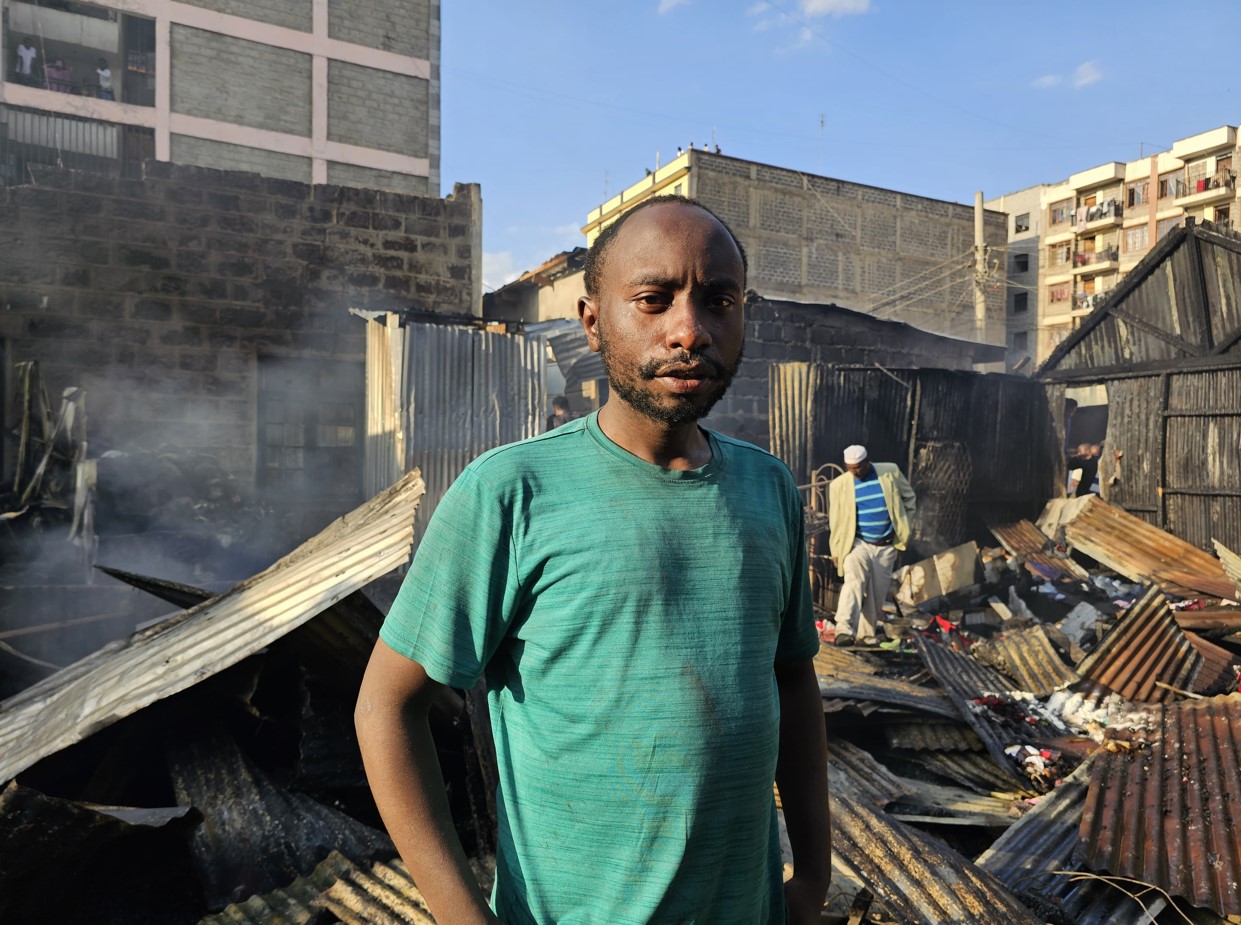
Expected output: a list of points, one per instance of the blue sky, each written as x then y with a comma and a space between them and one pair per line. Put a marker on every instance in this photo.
552, 104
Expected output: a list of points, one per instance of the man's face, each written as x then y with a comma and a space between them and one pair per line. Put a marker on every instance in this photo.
859, 470
668, 319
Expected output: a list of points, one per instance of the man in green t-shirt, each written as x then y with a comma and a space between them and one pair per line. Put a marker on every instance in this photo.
635, 589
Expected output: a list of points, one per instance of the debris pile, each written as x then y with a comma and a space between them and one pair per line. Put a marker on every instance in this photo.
205, 768
1049, 732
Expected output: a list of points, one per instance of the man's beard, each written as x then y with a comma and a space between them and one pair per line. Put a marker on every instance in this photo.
683, 409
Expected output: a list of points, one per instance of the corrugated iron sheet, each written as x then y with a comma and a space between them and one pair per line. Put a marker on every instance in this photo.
1145, 647
468, 391
915, 877
970, 769
853, 772
1028, 657
845, 675
1170, 814
1134, 548
1022, 538
929, 735
255, 837
384, 449
177, 653
1042, 841
966, 682
792, 387
1231, 563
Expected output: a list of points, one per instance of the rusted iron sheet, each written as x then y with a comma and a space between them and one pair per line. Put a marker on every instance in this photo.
1232, 565
1169, 815
1209, 618
1218, 674
929, 735
853, 772
1145, 650
352, 894
255, 837
1026, 856
177, 653
1022, 538
1134, 548
791, 387
171, 591
845, 675
974, 770
967, 682
918, 879
1028, 657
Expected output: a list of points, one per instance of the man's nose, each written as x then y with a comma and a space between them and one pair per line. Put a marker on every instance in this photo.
686, 328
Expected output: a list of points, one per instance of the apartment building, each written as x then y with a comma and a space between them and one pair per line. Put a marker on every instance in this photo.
894, 255
1084, 234
318, 91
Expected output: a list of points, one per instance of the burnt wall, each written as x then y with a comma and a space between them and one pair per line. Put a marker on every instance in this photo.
169, 300
784, 332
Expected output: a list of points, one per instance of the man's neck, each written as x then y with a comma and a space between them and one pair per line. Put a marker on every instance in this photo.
672, 446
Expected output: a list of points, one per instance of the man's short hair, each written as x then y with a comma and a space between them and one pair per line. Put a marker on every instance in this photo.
597, 254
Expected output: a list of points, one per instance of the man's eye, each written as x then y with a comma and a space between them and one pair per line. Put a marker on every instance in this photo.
652, 299
721, 302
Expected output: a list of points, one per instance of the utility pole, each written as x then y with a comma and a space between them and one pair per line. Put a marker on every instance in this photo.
980, 273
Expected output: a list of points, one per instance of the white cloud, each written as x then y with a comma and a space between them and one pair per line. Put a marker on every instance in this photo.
834, 7
1047, 80
667, 5
1087, 73
758, 9
498, 269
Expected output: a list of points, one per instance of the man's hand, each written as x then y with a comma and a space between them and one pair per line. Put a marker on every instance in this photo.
804, 900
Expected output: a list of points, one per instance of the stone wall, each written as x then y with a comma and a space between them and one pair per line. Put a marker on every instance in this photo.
161, 297
816, 239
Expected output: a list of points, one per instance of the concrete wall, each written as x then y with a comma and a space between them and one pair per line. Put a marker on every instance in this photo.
816, 239
399, 26
159, 296
266, 87
352, 175
201, 152
377, 109
783, 333
291, 15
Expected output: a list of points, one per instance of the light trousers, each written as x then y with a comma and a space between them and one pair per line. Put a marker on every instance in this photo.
868, 578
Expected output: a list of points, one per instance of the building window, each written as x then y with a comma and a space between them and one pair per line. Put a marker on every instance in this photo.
1021, 302
1020, 340
1060, 254
1167, 225
1021, 223
1060, 212
1171, 185
1021, 263
1061, 292
1137, 239
1137, 193
1223, 216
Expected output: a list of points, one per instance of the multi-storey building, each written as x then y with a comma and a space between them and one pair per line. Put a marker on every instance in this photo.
1084, 234
320, 91
894, 255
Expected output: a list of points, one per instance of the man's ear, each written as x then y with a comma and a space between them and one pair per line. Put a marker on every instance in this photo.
588, 312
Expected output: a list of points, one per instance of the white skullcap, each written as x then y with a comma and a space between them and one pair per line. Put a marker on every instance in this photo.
854, 454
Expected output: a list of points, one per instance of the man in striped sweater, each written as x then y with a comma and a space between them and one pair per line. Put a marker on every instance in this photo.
870, 509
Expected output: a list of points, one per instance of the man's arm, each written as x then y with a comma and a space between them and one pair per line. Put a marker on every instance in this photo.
405, 778
801, 775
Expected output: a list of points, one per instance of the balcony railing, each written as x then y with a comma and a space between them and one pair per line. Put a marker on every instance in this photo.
1112, 208
1226, 180
1089, 258
29, 138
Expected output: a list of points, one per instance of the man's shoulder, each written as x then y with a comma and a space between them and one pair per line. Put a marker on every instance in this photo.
522, 456
884, 468
751, 455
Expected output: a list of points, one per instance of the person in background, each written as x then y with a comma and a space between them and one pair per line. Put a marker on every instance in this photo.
870, 508
58, 76
105, 80
560, 412
27, 55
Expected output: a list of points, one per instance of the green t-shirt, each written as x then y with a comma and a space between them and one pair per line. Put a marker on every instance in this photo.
628, 617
